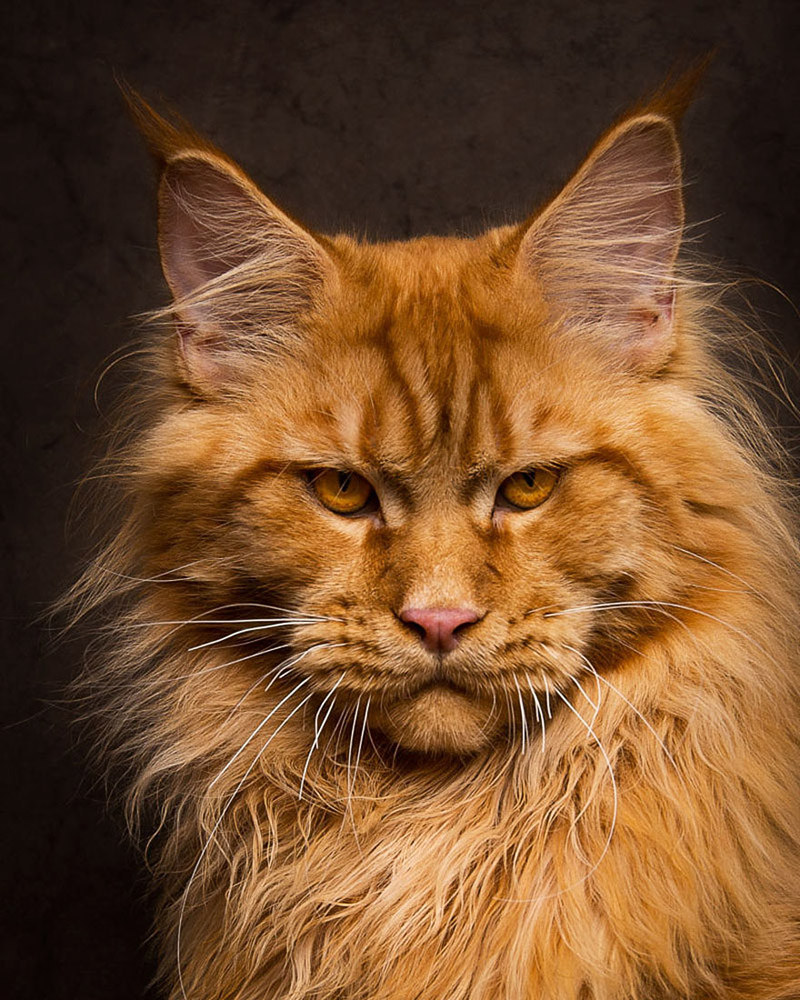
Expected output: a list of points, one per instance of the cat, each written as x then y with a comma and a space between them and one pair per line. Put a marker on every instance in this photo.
453, 615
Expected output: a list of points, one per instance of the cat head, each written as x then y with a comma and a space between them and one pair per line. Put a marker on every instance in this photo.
463, 469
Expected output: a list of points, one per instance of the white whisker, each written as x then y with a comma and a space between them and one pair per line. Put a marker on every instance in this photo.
318, 730
588, 663
201, 617
258, 729
361, 739
231, 621
216, 826
607, 845
538, 709
165, 577
337, 732
660, 606
512, 717
231, 663
246, 631
523, 718
275, 671
607, 760
727, 572
350, 777
547, 695
633, 708
579, 686
284, 668
350, 756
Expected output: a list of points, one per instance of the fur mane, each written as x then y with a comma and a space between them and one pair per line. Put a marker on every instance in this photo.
646, 850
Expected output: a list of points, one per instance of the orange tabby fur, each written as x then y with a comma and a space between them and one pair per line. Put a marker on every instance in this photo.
647, 848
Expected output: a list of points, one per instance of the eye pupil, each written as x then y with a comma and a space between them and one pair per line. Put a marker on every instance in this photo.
342, 491
527, 488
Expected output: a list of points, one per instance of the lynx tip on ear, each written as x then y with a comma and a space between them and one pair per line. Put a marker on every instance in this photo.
166, 134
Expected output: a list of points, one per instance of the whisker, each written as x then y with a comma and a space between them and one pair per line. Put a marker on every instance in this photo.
281, 670
293, 611
258, 729
230, 621
165, 577
378, 754
350, 755
361, 739
512, 718
607, 845
633, 708
231, 663
547, 695
589, 664
277, 671
350, 778
660, 606
246, 631
194, 620
523, 718
318, 730
579, 686
538, 709
535, 611
727, 572
337, 732
607, 760
216, 827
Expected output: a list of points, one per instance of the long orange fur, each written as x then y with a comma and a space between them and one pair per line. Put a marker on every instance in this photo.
645, 846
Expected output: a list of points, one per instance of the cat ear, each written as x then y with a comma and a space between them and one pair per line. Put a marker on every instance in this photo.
603, 252
241, 271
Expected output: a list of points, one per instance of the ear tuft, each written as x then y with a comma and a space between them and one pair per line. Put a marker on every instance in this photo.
603, 252
242, 273
166, 137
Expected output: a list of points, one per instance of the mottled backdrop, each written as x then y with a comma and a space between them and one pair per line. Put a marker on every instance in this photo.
384, 118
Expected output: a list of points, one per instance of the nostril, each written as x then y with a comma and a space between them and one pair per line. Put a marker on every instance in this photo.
414, 626
439, 628
458, 629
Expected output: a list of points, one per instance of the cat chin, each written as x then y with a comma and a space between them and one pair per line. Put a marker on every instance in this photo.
440, 719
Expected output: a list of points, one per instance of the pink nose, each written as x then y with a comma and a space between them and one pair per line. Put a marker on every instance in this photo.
438, 626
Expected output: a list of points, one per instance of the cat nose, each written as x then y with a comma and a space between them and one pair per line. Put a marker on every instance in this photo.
438, 627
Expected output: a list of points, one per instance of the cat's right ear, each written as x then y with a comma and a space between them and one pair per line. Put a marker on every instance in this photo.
241, 272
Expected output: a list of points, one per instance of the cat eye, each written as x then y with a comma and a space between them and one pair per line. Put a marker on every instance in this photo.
344, 493
527, 489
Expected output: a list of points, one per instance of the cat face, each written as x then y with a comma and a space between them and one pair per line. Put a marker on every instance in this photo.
444, 458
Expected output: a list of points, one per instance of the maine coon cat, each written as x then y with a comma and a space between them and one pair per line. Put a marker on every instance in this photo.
453, 616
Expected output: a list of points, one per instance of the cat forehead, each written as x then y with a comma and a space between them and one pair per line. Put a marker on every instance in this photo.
406, 401
446, 303
429, 359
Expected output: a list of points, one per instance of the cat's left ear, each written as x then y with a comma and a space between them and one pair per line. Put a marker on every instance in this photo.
603, 252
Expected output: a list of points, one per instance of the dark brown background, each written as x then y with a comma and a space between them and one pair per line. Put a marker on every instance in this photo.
392, 119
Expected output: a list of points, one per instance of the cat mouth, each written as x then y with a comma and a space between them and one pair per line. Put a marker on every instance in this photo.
439, 683
439, 716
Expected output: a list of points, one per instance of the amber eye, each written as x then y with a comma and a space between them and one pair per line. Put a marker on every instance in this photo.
343, 492
526, 490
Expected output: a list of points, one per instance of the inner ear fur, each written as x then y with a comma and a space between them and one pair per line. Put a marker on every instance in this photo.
602, 254
240, 270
